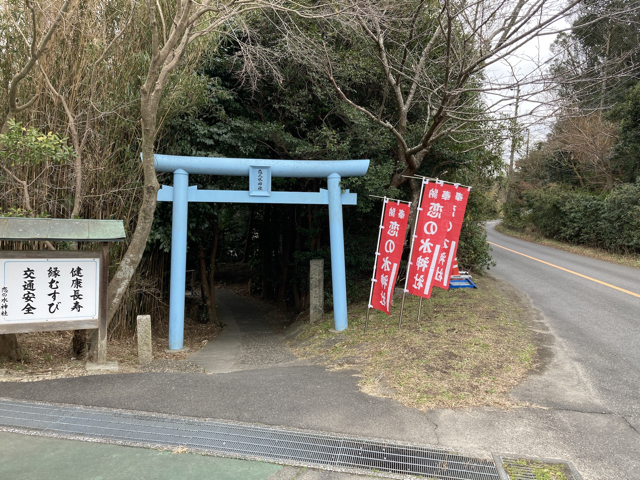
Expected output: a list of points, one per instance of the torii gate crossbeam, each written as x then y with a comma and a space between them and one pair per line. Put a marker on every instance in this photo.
260, 173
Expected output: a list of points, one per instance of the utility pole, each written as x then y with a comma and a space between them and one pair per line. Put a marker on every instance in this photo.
514, 132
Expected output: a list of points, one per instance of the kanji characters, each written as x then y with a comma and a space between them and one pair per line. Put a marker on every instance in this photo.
4, 304
76, 284
425, 246
393, 229
422, 263
28, 287
435, 210
439, 274
386, 264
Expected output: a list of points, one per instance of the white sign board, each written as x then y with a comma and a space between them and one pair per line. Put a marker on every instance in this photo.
49, 289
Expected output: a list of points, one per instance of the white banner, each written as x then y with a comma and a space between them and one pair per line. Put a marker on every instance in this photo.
49, 289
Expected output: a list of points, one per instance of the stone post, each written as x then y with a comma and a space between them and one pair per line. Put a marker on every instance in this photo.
145, 354
316, 290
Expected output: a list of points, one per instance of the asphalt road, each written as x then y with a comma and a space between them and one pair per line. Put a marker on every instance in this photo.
597, 326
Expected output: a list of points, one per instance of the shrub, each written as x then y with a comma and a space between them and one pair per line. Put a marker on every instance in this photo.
611, 222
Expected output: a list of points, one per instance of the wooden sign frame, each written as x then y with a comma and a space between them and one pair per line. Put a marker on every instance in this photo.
99, 324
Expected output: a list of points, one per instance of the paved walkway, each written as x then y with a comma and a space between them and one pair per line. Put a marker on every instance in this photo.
247, 342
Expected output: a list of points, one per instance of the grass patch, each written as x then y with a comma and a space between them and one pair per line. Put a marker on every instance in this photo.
469, 348
628, 259
540, 470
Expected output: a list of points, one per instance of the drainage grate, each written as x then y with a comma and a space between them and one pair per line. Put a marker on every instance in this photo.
528, 468
517, 471
243, 440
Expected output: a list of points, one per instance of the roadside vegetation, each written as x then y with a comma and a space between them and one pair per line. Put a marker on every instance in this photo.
581, 186
469, 348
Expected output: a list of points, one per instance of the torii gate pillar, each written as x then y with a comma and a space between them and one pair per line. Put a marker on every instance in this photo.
260, 173
336, 235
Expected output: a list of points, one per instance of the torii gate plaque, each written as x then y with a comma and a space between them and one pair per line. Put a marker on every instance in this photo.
260, 173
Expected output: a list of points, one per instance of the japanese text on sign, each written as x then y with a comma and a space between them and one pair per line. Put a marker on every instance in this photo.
389, 254
49, 289
436, 236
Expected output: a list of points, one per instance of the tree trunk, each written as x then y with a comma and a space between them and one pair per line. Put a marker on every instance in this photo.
129, 263
78, 347
9, 348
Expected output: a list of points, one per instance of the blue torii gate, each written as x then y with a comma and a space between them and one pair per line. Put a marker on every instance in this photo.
260, 173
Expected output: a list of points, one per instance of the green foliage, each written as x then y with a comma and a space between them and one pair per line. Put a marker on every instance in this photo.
597, 61
610, 222
29, 146
627, 152
473, 249
21, 212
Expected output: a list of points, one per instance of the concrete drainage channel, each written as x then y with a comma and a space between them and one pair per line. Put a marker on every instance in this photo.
247, 441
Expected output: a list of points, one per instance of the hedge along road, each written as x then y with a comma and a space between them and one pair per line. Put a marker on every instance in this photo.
592, 307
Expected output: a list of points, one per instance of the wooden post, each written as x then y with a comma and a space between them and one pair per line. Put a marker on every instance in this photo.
104, 282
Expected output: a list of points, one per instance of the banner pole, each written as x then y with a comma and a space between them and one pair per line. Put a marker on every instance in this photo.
366, 322
436, 180
401, 310
420, 308
391, 199
375, 264
413, 239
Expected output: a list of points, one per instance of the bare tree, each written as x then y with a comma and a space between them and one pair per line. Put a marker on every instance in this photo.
585, 144
432, 58
37, 44
80, 108
36, 48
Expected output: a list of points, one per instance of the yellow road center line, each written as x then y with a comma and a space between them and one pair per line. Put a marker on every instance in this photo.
567, 270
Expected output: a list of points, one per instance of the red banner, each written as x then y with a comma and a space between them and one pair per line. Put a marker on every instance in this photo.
435, 239
457, 197
393, 231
